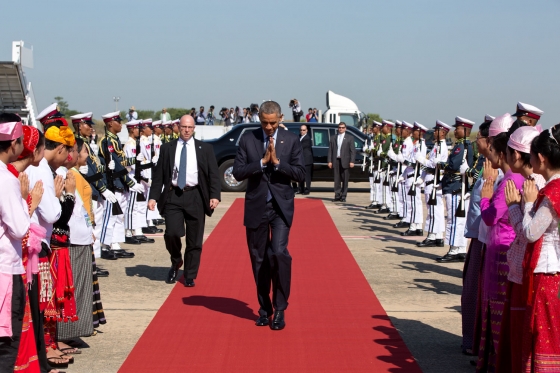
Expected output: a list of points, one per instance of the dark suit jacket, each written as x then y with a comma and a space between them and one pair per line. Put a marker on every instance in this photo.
208, 179
307, 147
247, 166
347, 150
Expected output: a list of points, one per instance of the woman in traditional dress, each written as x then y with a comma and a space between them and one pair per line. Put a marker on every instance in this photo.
519, 159
541, 264
494, 213
33, 150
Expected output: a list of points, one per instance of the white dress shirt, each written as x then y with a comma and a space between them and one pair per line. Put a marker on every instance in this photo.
192, 166
49, 210
340, 138
14, 223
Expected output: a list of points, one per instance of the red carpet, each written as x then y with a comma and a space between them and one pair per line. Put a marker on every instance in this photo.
334, 321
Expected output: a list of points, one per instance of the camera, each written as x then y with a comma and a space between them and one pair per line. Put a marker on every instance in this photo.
254, 109
224, 111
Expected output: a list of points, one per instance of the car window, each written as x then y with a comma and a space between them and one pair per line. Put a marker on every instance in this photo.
294, 130
248, 129
358, 143
320, 137
351, 120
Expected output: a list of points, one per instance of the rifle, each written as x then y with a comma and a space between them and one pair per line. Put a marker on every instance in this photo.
432, 201
461, 213
412, 191
395, 187
364, 155
387, 180
116, 208
138, 172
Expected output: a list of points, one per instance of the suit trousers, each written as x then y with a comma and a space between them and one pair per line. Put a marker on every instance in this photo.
184, 217
270, 259
308, 175
341, 177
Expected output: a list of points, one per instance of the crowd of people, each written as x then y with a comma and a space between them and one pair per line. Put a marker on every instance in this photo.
67, 202
505, 200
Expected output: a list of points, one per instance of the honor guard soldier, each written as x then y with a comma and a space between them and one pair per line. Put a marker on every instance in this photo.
528, 114
387, 140
372, 163
431, 176
115, 162
94, 173
403, 160
135, 214
415, 213
454, 186
175, 129
394, 213
168, 131
150, 146
158, 129
476, 169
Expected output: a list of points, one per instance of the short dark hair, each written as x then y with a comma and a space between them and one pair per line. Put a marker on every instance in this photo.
525, 157
546, 146
271, 107
499, 142
51, 145
79, 143
484, 129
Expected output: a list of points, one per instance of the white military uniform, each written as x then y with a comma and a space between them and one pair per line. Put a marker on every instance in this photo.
146, 147
134, 216
415, 213
435, 221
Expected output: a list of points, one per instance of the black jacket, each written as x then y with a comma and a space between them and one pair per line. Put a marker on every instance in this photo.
208, 180
307, 147
347, 150
247, 166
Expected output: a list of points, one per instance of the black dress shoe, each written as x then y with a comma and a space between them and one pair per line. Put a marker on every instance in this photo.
392, 217
401, 224
151, 230
262, 321
144, 239
102, 273
108, 255
343, 200
372, 206
335, 199
426, 243
131, 241
413, 232
172, 275
383, 211
306, 193
123, 254
158, 221
439, 242
278, 322
451, 258
189, 283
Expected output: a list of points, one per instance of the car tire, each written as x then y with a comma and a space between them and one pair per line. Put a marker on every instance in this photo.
229, 184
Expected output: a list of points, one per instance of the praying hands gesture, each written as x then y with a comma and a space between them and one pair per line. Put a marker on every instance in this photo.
270, 155
512, 194
487, 189
489, 171
58, 186
530, 191
24, 185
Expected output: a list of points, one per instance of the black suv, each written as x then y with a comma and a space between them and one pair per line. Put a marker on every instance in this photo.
225, 149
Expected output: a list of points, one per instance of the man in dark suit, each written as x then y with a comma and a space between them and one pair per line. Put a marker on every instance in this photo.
342, 153
307, 146
270, 159
186, 187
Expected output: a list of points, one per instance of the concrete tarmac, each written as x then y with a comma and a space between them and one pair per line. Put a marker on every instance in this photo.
421, 296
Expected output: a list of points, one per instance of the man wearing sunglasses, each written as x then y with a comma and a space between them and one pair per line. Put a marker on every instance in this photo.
342, 153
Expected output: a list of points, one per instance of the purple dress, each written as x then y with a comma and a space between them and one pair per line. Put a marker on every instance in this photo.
501, 234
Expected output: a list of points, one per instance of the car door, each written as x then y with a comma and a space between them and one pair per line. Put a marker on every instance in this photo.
320, 137
356, 173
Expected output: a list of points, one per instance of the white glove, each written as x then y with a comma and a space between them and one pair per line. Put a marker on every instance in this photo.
150, 182
138, 188
140, 157
400, 158
420, 159
392, 172
111, 165
467, 196
400, 180
155, 159
391, 154
419, 181
463, 168
379, 152
83, 169
109, 196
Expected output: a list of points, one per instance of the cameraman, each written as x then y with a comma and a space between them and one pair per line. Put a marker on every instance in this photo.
255, 113
210, 117
296, 110
224, 113
311, 116
201, 117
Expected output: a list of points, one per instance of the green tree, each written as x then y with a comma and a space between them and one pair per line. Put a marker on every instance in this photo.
63, 107
373, 116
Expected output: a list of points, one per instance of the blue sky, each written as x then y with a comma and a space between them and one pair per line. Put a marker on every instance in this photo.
410, 60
